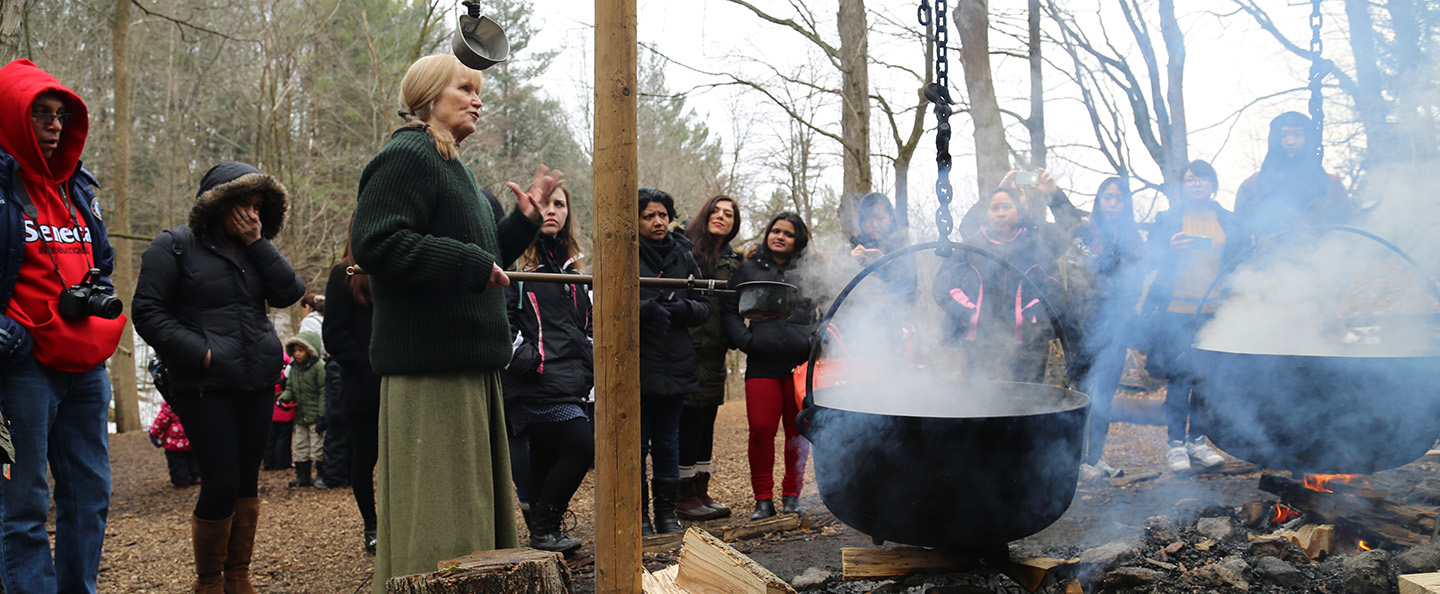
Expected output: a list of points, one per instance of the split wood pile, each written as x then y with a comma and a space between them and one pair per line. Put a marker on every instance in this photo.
513, 571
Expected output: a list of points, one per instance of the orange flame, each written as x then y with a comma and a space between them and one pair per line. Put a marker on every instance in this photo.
1363, 546
1322, 482
1284, 513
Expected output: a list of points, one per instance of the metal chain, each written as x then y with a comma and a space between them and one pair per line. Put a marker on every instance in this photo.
1319, 68
938, 93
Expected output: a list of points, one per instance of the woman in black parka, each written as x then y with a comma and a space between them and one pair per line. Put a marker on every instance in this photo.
667, 356
347, 327
550, 374
773, 349
201, 302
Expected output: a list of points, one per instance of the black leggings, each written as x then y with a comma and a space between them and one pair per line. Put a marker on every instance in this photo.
227, 435
364, 452
560, 455
697, 433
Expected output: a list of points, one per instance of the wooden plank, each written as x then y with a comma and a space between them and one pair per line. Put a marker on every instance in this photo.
660, 543
521, 571
780, 523
1420, 583
1379, 521
708, 565
661, 582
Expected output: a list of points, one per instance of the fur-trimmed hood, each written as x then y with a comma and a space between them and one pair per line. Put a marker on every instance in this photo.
225, 185
307, 340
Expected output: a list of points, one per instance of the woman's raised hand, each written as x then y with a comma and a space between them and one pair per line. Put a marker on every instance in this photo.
540, 187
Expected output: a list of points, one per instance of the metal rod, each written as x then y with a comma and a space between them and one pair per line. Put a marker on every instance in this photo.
707, 286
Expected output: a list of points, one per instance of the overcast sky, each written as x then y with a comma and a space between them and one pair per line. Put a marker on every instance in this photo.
1229, 63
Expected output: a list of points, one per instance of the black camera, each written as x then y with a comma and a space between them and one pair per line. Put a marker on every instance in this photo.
86, 299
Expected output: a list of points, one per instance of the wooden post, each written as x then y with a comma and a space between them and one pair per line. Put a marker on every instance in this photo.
617, 297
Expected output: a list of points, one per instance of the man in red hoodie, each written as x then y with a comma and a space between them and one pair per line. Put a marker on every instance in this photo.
61, 323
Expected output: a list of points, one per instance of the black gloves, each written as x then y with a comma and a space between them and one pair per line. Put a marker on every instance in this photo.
654, 317
678, 308
15, 341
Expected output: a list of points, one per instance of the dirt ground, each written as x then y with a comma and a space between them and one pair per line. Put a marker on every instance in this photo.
309, 540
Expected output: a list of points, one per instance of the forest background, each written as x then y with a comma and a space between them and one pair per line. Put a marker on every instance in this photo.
784, 104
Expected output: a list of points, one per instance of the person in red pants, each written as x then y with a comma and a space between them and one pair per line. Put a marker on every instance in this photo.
773, 349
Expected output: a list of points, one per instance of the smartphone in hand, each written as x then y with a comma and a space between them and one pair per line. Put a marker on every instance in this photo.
1027, 178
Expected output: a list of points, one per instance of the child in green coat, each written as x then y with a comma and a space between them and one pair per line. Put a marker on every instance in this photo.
306, 388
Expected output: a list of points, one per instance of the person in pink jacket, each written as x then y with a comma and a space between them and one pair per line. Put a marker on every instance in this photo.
167, 433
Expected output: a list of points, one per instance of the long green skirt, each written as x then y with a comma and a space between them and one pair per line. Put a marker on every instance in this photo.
443, 480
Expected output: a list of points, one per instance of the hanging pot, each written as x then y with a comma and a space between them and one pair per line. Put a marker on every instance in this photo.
479, 41
1337, 409
936, 462
766, 300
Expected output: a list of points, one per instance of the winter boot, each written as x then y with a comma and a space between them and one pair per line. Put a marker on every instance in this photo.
646, 529
242, 546
702, 490
689, 506
666, 490
302, 475
211, 539
764, 508
545, 531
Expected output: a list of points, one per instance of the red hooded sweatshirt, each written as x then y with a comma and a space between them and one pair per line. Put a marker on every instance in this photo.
58, 250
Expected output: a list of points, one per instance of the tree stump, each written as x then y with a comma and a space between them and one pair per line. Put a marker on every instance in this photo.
513, 571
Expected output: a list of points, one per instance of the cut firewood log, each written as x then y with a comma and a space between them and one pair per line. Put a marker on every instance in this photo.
661, 582
522, 571
1420, 583
1316, 539
1381, 522
873, 564
709, 566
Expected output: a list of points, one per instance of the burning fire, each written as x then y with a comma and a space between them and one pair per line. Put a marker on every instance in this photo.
1284, 513
1363, 546
1322, 482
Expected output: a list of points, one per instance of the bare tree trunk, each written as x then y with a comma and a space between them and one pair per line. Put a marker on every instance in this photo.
855, 107
122, 364
1380, 145
992, 152
1177, 149
1036, 121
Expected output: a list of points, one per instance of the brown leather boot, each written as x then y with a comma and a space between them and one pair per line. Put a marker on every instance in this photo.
241, 546
689, 506
211, 538
702, 490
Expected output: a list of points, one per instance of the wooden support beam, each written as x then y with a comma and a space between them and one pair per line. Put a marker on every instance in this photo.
617, 295
1420, 583
518, 571
1381, 522
707, 564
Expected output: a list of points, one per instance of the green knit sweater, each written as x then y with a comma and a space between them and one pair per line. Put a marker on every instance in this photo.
429, 239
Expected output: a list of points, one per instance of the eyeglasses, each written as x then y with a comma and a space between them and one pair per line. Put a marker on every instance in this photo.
44, 119
1195, 181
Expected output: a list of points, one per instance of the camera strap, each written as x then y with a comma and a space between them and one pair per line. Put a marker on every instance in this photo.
27, 206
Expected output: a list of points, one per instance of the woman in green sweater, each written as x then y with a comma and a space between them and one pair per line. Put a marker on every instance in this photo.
435, 250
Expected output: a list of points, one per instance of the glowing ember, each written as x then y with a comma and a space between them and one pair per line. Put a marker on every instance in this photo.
1284, 513
1322, 482
1363, 546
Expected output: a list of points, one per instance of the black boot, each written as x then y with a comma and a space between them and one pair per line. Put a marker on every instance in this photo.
790, 504
667, 490
369, 540
545, 531
302, 475
646, 529
702, 490
764, 508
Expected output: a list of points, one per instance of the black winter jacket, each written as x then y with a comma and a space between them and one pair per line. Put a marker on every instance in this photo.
194, 296
553, 364
667, 357
347, 328
773, 348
